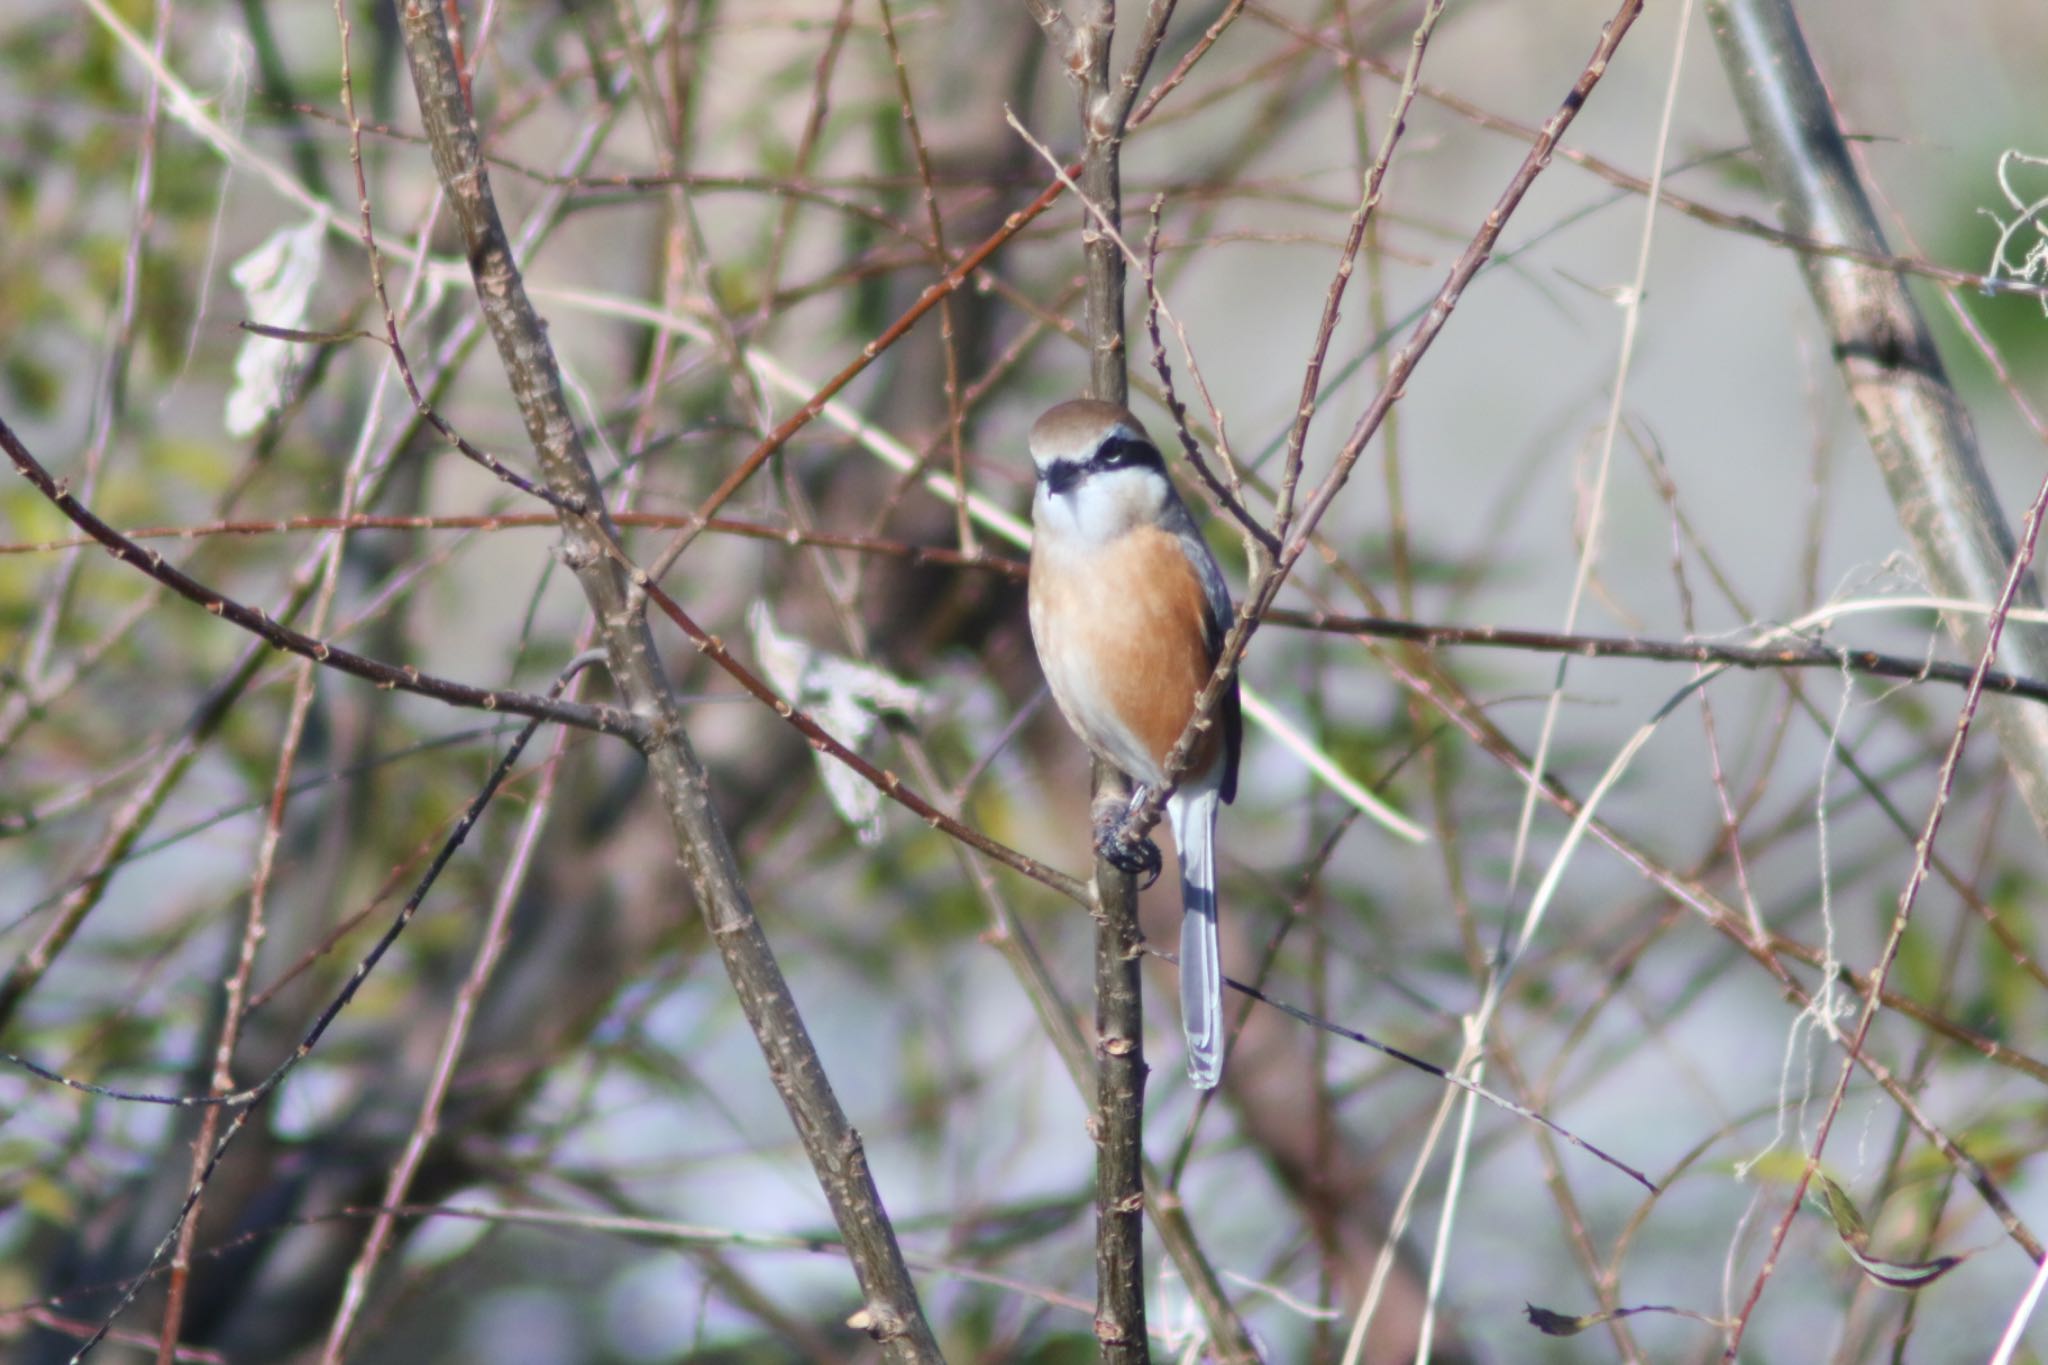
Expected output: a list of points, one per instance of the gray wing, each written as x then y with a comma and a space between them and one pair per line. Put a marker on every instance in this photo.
1217, 621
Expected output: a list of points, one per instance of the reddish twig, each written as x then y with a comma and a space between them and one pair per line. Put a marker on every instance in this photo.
400, 677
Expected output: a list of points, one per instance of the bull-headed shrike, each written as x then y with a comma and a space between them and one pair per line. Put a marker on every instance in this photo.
1128, 610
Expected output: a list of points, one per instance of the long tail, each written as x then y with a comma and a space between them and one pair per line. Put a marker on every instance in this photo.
1201, 959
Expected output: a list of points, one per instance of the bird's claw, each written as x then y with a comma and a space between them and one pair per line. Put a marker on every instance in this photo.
1138, 857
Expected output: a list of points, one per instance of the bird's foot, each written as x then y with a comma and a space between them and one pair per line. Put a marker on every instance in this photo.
1138, 856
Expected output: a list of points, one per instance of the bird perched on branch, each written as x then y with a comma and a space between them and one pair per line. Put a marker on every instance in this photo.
1128, 610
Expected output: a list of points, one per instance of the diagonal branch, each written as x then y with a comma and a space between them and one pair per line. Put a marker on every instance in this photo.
397, 677
1923, 441
1911, 414
1259, 599
891, 1313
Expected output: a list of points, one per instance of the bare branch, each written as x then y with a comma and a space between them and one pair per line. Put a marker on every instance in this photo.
892, 1316
1912, 416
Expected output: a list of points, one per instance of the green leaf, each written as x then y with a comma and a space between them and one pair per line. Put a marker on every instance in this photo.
1848, 1222
1855, 1235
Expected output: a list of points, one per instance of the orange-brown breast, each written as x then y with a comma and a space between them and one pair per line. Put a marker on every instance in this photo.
1135, 607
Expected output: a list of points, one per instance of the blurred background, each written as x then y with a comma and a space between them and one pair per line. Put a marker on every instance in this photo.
716, 206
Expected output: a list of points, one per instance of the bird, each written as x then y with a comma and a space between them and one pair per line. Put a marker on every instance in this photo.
1128, 612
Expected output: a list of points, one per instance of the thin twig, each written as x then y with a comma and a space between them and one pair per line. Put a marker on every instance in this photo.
244, 1103
1916, 423
948, 345
1949, 276
1259, 598
1354, 237
892, 1315
490, 950
401, 677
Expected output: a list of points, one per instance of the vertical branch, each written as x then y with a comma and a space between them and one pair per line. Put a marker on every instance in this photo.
1106, 104
1119, 1119
1911, 415
891, 1313
1101, 183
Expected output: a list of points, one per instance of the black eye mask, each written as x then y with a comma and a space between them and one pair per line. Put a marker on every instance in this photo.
1118, 452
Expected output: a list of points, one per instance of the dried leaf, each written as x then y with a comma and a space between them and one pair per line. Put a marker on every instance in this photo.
1557, 1324
277, 280
845, 696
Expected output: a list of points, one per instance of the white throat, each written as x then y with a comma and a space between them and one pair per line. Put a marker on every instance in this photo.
1100, 507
